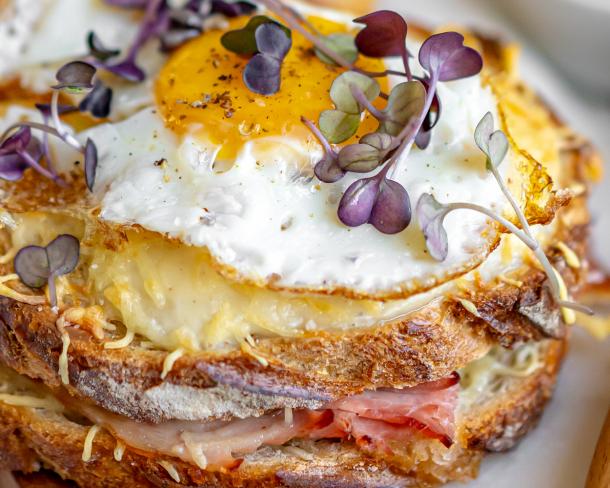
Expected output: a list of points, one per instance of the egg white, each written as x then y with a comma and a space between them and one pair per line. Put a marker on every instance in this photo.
267, 219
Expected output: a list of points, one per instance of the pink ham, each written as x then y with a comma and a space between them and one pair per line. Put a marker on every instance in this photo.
373, 418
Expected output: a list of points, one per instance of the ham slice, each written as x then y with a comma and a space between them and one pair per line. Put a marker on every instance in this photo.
375, 419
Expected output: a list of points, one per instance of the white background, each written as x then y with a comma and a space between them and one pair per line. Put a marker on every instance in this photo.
558, 453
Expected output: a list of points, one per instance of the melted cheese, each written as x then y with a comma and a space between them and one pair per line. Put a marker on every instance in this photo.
485, 375
88, 444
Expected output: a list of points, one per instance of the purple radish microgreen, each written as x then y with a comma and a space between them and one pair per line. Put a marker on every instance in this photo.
431, 213
268, 42
228, 9
327, 169
98, 50
494, 144
155, 22
343, 44
38, 266
98, 101
20, 151
368, 154
72, 78
445, 57
243, 41
384, 34
405, 102
378, 201
262, 72
75, 77
340, 124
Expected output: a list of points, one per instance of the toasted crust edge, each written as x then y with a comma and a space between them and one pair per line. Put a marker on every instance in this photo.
35, 438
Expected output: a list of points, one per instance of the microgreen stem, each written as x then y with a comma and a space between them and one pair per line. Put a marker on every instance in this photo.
524, 223
296, 22
409, 132
530, 242
405, 62
364, 102
43, 171
46, 149
59, 126
52, 290
316, 132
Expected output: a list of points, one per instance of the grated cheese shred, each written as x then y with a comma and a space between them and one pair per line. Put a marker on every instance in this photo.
170, 360
8, 292
171, 470
569, 316
469, 306
63, 357
30, 401
569, 255
88, 445
195, 449
121, 343
119, 450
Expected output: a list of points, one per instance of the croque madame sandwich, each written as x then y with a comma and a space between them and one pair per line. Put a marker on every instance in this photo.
264, 245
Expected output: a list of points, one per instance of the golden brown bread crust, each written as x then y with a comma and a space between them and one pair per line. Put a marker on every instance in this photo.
424, 346
494, 423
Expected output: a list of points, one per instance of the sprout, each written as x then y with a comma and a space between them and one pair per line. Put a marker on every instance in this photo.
39, 266
431, 213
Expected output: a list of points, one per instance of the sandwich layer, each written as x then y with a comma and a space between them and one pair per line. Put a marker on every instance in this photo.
503, 301
497, 406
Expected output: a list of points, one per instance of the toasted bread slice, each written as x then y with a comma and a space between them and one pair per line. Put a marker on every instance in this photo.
318, 366
492, 419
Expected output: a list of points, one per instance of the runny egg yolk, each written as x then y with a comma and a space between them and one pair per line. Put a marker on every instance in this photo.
200, 89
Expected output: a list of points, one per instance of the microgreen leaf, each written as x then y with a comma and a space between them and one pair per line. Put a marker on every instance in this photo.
368, 154
97, 48
98, 101
128, 70
446, 58
359, 158
357, 202
406, 100
378, 201
273, 40
493, 144
384, 35
19, 151
156, 20
90, 163
341, 92
391, 213
75, 76
232, 9
342, 44
431, 214
12, 167
243, 41
262, 74
37, 266
338, 126
328, 170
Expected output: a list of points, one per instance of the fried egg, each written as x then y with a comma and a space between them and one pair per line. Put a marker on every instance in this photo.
220, 174
216, 166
